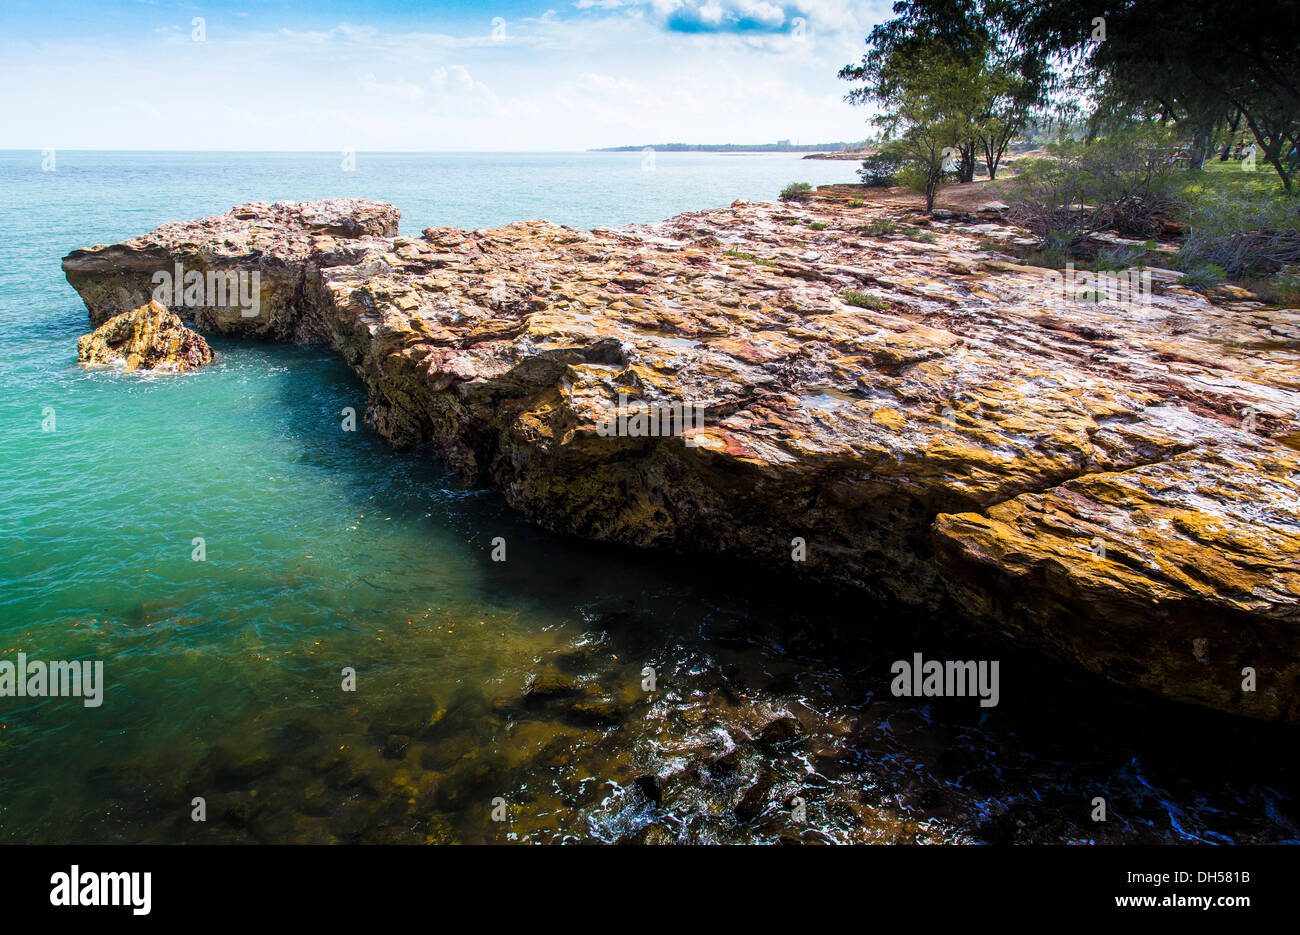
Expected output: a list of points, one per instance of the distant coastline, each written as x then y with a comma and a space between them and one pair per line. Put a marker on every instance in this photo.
781, 146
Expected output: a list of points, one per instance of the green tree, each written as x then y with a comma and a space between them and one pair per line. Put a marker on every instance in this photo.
1198, 64
985, 96
928, 119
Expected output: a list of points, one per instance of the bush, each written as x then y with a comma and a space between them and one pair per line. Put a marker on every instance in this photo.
1204, 276
878, 228
742, 255
795, 191
1123, 256
1244, 235
1125, 182
880, 170
863, 300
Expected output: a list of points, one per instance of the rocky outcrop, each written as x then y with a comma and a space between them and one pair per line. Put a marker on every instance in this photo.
204, 270
147, 338
902, 410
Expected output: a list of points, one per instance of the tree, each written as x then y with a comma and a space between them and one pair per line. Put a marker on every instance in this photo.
927, 120
985, 96
1194, 63
1006, 102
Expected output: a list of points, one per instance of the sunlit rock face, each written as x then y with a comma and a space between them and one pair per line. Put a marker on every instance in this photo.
1107, 476
147, 338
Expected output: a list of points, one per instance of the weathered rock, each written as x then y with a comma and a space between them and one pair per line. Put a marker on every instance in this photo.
277, 241
147, 338
932, 421
1197, 554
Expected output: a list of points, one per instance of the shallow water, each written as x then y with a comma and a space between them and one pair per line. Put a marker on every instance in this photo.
518, 686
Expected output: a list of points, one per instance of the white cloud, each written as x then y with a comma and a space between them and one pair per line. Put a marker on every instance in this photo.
605, 72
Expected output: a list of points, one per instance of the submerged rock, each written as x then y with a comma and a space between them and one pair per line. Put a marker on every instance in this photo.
147, 338
916, 418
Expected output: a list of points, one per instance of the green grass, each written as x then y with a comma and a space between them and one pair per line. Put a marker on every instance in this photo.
1219, 180
818, 225
878, 227
1203, 277
741, 255
862, 300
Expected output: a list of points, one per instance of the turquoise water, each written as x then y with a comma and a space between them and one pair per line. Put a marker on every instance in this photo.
325, 549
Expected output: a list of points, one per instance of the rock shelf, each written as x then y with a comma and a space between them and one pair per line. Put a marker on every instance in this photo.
1114, 484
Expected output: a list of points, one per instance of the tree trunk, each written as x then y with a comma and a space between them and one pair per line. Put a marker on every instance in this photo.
966, 171
1232, 134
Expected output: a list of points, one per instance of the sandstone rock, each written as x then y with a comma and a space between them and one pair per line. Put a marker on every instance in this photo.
146, 338
947, 448
278, 241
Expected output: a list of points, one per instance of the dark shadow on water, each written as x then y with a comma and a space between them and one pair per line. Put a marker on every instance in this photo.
808, 667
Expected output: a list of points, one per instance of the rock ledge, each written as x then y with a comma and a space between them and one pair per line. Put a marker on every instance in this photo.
909, 413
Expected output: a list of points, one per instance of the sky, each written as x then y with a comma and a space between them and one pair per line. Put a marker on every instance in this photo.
427, 76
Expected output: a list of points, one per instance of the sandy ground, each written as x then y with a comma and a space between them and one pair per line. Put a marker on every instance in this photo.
966, 197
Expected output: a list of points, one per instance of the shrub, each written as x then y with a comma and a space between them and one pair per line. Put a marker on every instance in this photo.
1243, 235
1203, 276
1124, 182
880, 170
795, 191
878, 227
818, 225
1123, 256
863, 300
742, 255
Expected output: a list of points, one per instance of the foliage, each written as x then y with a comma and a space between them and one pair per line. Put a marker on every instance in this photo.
1204, 276
880, 170
1201, 65
945, 53
1241, 237
878, 227
1125, 182
741, 255
795, 191
864, 300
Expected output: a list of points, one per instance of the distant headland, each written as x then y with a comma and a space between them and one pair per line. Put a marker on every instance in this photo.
780, 146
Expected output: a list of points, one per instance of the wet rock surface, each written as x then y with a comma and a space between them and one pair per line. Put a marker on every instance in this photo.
147, 338
938, 426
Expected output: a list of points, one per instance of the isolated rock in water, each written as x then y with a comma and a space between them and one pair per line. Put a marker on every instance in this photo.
146, 338
1112, 483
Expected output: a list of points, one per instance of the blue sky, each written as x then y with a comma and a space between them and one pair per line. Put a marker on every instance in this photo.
491, 75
